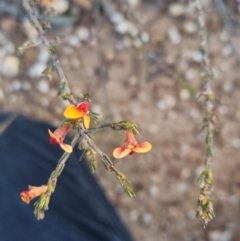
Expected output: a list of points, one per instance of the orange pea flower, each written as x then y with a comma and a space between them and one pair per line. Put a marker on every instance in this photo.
33, 192
58, 136
131, 146
80, 111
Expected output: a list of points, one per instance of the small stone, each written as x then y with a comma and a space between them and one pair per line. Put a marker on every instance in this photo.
227, 51
132, 29
184, 94
74, 41
147, 218
43, 55
197, 56
134, 215
61, 6
236, 142
153, 128
190, 74
117, 18
36, 69
174, 35
1, 94
194, 113
16, 85
43, 86
224, 37
133, 3
145, 37
228, 87
153, 191
190, 27
176, 10
122, 27
182, 187
10, 66
223, 109
83, 34
30, 31
167, 103
218, 235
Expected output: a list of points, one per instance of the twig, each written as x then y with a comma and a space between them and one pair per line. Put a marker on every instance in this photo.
205, 210
102, 68
64, 85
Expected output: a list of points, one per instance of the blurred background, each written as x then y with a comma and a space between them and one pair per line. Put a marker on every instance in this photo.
140, 60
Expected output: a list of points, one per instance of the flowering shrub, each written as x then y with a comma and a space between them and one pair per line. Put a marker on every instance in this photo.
78, 117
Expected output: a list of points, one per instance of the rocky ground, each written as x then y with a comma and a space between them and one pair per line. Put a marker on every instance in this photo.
157, 90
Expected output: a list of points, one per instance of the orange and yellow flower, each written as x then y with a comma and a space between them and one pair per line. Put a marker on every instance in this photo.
131, 146
33, 192
74, 112
58, 136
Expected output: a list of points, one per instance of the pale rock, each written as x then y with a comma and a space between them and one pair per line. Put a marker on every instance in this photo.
153, 128
167, 103
36, 69
43, 55
184, 94
132, 29
133, 215
176, 10
236, 142
30, 31
223, 109
147, 219
185, 173
145, 37
74, 41
133, 3
182, 187
117, 18
16, 85
1, 94
228, 87
224, 37
122, 27
218, 235
190, 74
194, 113
227, 50
137, 43
10, 66
153, 191
61, 6
83, 33
189, 27
174, 35
43, 86
197, 56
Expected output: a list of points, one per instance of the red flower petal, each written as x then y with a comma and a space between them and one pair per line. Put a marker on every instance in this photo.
25, 197
53, 139
83, 107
